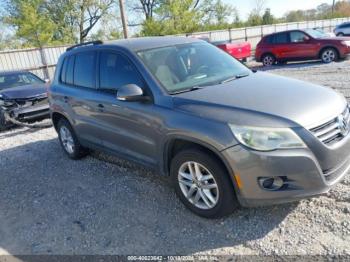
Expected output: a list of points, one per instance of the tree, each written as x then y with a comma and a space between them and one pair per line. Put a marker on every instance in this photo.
259, 6
267, 18
173, 17
32, 22
218, 13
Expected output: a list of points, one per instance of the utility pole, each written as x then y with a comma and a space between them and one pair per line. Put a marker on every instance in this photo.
123, 16
333, 7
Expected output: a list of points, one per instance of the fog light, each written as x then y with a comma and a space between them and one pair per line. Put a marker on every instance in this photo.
271, 183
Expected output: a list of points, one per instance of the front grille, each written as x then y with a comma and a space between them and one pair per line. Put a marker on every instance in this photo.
335, 130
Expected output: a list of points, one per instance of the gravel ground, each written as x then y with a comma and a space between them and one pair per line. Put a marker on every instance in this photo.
104, 205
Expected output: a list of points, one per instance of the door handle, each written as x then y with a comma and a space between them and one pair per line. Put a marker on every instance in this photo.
100, 107
65, 99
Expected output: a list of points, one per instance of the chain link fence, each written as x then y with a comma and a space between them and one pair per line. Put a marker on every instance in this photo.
42, 62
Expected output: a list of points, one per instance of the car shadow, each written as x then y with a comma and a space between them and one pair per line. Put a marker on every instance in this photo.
290, 65
104, 205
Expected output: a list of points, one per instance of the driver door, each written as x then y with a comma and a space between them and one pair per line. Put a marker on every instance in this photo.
127, 128
301, 46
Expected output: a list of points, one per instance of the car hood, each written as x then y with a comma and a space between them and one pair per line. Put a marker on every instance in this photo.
263, 99
335, 38
24, 92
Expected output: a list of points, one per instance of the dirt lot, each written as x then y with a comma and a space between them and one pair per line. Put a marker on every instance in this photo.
103, 205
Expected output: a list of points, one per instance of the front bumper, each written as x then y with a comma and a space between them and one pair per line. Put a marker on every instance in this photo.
298, 167
31, 113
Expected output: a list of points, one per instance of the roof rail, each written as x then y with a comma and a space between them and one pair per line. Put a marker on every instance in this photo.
97, 42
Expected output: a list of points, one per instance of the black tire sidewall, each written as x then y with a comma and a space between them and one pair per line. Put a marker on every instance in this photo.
227, 198
79, 151
3, 124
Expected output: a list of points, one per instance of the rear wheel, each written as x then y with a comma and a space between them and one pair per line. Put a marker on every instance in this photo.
202, 184
329, 55
69, 141
268, 60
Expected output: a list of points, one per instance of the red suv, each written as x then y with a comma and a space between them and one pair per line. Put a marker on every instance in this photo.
297, 45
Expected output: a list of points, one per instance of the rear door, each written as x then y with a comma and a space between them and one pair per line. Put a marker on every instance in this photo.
279, 44
301, 46
129, 128
80, 93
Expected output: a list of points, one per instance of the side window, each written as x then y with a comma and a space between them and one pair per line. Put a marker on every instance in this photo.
270, 39
117, 71
84, 69
69, 71
297, 37
281, 38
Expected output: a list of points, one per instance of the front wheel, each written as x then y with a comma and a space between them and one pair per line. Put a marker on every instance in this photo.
4, 125
202, 184
340, 34
329, 55
69, 141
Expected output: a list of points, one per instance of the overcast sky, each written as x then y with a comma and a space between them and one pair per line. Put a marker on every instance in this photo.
278, 7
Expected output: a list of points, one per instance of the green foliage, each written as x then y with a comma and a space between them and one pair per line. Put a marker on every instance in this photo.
33, 24
187, 16
267, 18
323, 11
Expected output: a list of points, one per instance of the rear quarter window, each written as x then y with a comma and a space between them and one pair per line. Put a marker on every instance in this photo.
281, 38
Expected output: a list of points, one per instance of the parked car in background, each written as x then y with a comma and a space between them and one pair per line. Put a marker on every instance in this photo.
326, 34
342, 29
23, 97
239, 50
226, 135
298, 45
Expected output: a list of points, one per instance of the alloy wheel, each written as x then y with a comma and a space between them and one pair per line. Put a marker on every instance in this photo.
67, 139
268, 60
328, 56
198, 185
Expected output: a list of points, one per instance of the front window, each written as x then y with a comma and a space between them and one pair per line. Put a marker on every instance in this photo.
298, 37
18, 79
183, 67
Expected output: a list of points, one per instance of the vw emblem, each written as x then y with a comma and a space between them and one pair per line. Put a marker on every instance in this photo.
343, 125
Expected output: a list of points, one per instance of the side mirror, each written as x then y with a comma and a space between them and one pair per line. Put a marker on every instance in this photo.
131, 93
47, 80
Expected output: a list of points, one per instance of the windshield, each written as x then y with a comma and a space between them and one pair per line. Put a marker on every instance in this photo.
316, 33
18, 79
189, 66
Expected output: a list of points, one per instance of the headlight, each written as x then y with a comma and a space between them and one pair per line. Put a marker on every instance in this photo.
266, 139
347, 43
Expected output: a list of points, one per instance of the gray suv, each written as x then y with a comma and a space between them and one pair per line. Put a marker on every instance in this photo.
226, 135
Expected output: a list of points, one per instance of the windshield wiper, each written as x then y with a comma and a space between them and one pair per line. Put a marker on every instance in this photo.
233, 78
193, 88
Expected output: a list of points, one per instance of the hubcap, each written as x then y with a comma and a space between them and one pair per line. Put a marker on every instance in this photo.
198, 185
328, 56
268, 60
67, 139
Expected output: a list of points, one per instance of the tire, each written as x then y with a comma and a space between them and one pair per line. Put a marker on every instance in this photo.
268, 60
329, 55
69, 141
340, 34
222, 193
3, 124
